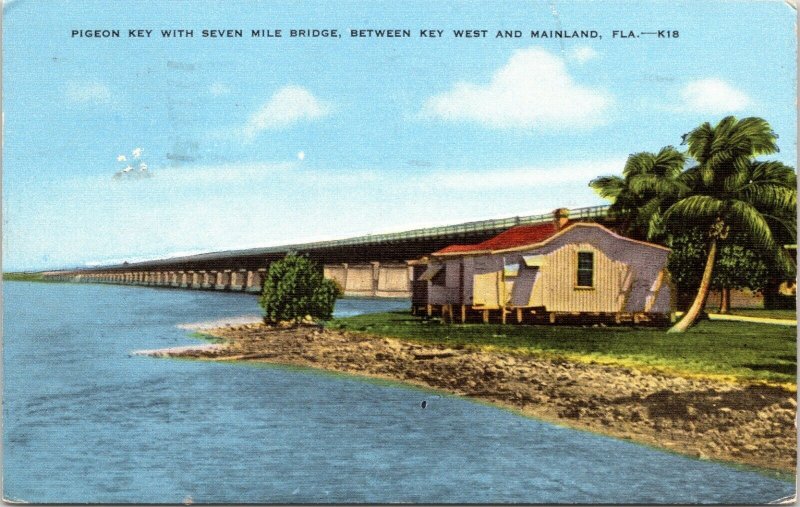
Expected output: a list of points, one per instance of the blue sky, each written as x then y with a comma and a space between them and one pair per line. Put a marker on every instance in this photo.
255, 142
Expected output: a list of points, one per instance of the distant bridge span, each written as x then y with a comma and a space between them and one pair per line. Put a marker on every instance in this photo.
372, 265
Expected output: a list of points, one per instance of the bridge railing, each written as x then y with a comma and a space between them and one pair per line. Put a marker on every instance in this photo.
585, 213
447, 231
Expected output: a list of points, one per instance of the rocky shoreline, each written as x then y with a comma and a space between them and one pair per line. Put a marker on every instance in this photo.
747, 424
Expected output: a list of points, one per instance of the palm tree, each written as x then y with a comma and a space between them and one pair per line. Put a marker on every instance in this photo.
732, 192
650, 182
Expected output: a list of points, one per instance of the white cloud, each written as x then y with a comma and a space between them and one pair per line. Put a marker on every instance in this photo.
712, 96
583, 54
217, 89
287, 106
93, 92
532, 90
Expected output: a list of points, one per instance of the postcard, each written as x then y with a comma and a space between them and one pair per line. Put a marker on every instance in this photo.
363, 252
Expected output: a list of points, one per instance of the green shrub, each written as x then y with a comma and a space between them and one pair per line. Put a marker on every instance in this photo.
295, 287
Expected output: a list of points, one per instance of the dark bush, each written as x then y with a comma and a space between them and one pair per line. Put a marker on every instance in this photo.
295, 287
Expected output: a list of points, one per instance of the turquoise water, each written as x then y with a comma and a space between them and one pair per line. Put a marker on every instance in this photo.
86, 422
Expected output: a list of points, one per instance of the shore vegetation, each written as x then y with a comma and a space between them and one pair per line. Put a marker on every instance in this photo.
295, 289
23, 277
737, 351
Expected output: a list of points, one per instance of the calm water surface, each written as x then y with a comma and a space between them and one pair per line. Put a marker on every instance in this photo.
86, 422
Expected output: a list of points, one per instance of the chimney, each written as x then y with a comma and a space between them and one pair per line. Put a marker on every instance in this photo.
560, 218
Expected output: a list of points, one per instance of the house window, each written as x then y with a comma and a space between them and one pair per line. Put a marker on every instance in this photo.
511, 270
585, 269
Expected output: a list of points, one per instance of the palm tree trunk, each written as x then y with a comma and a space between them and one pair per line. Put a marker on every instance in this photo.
702, 293
725, 301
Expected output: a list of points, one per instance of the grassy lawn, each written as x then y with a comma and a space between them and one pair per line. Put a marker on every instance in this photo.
734, 350
760, 312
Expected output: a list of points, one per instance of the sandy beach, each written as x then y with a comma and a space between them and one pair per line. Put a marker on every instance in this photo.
749, 424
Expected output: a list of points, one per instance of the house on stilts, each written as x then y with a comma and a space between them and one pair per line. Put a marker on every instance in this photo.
558, 271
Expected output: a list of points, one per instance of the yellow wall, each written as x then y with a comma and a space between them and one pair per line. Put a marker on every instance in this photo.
485, 290
556, 287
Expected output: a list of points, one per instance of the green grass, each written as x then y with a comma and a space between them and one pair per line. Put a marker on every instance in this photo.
737, 351
760, 312
23, 277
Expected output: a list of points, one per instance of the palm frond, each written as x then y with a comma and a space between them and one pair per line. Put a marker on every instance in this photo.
737, 174
693, 211
668, 162
770, 197
699, 142
757, 134
651, 184
773, 171
609, 187
746, 219
638, 163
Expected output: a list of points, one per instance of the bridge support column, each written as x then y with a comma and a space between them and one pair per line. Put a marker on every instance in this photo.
371, 280
208, 279
376, 273
238, 279
337, 273
255, 280
223, 279
393, 280
196, 279
183, 279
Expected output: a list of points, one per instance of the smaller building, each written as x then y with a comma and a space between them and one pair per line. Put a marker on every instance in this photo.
547, 272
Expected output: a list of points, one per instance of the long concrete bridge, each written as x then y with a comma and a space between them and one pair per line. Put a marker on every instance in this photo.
372, 265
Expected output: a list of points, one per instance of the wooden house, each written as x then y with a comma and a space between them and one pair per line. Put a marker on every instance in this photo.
549, 271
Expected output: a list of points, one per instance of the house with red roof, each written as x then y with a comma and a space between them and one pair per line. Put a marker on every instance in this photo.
561, 270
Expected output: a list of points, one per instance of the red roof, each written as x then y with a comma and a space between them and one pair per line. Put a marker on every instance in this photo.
520, 235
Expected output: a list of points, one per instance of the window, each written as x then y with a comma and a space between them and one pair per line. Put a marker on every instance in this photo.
585, 269
511, 270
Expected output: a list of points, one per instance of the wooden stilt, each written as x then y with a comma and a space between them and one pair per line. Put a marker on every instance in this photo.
463, 314
519, 315
429, 310
617, 318
552, 317
486, 316
503, 315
